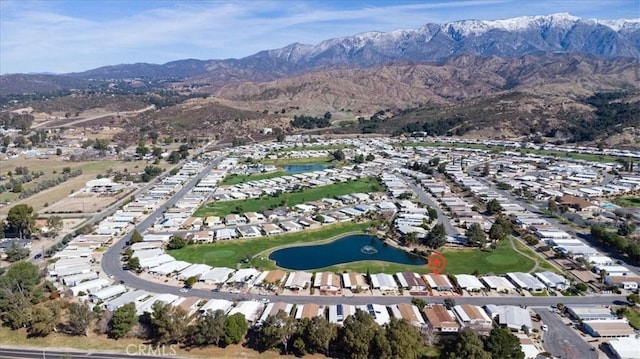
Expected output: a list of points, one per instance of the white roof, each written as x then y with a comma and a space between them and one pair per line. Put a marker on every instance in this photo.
152, 262
194, 270
129, 297
466, 281
170, 267
379, 312
217, 304
90, 286
626, 348
217, 275
498, 283
108, 292
383, 280
248, 308
244, 275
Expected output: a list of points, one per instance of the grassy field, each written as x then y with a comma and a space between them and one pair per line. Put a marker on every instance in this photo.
299, 161
633, 316
543, 264
236, 178
502, 260
221, 208
93, 342
558, 154
316, 148
628, 202
229, 253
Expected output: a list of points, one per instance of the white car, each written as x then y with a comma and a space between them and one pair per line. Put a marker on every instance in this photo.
184, 290
544, 328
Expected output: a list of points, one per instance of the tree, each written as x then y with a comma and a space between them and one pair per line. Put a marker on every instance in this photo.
449, 303
169, 323
176, 242
142, 150
101, 144
496, 232
411, 238
80, 317
134, 264
43, 320
552, 206
122, 321
370, 157
502, 344
318, 334
235, 328
277, 330
466, 344
280, 137
418, 302
404, 339
189, 282
475, 235
208, 329
633, 298
136, 237
54, 223
16, 252
626, 228
174, 157
338, 155
437, 237
15, 309
433, 214
357, 335
21, 220
493, 207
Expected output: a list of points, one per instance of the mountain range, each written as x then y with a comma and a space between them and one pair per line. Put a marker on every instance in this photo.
432, 43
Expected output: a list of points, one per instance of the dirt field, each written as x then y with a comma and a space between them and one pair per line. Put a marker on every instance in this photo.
84, 202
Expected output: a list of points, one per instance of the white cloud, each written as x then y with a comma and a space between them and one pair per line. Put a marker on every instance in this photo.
50, 36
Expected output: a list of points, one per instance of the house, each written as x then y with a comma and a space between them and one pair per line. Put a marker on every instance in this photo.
327, 282
589, 313
130, 297
272, 277
525, 281
298, 280
270, 229
339, 312
469, 283
308, 311
249, 309
354, 281
411, 281
216, 275
473, 317
509, 316
628, 282
616, 328
274, 308
217, 304
579, 204
409, 312
439, 282
203, 237
625, 347
107, 293
249, 232
244, 277
226, 233
441, 319
290, 226
384, 282
379, 312
552, 280
194, 270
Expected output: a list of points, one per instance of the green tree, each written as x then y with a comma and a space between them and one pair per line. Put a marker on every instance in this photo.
15, 309
318, 334
466, 345
357, 335
43, 319
370, 157
633, 298
419, 302
208, 329
189, 282
136, 237
174, 157
475, 235
21, 220
54, 223
494, 207
101, 144
502, 344
338, 155
404, 339
80, 317
449, 303
134, 264
235, 328
280, 137
176, 242
433, 214
142, 150
122, 321
496, 232
437, 237
626, 228
16, 252
277, 330
169, 323
552, 206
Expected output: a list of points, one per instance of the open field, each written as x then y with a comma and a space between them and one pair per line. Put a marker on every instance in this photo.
299, 161
628, 202
93, 342
235, 178
229, 253
543, 265
502, 260
316, 148
558, 154
90, 170
85, 202
633, 316
221, 208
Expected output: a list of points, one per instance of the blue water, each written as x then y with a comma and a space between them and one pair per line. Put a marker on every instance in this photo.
303, 168
344, 250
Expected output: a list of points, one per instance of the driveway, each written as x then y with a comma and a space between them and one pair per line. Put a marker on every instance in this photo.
562, 341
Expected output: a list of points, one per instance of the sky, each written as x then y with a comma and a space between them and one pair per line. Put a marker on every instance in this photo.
77, 35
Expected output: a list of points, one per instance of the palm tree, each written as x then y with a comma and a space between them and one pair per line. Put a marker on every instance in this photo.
603, 275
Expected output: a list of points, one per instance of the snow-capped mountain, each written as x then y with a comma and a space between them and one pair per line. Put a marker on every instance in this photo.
505, 38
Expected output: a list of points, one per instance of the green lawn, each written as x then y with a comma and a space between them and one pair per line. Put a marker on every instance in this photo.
299, 161
236, 178
221, 208
544, 265
633, 316
316, 148
502, 260
229, 253
558, 154
628, 202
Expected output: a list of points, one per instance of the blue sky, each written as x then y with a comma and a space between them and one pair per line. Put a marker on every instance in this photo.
67, 36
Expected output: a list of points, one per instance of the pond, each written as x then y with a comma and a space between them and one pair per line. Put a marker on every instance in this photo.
304, 168
353, 248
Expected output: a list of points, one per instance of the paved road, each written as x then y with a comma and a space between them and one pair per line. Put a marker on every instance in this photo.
146, 351
426, 199
561, 340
